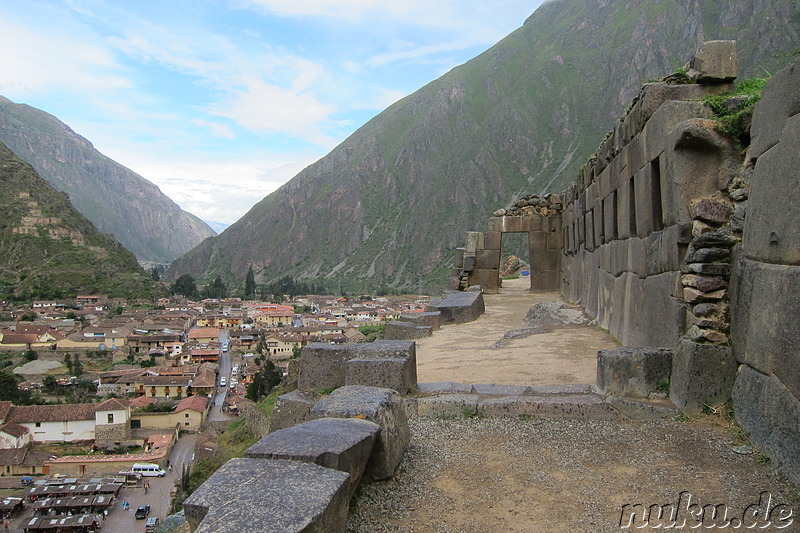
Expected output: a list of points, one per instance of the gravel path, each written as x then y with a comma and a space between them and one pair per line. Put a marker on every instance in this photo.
499, 475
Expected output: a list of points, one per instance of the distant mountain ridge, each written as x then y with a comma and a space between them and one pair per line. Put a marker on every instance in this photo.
116, 199
48, 250
390, 203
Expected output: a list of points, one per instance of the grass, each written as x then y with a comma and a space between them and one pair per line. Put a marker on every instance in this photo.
732, 122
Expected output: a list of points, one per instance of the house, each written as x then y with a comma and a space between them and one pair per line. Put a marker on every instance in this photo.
111, 422
25, 461
204, 335
163, 342
191, 412
273, 315
56, 423
158, 386
14, 436
281, 345
95, 339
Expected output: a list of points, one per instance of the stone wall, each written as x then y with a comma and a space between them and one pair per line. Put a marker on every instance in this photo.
765, 283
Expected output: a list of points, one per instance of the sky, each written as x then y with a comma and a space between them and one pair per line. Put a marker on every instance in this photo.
220, 102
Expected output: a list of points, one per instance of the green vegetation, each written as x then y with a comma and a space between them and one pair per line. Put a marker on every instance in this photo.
373, 333
733, 119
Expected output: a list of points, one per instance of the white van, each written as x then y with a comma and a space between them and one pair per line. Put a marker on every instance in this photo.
148, 470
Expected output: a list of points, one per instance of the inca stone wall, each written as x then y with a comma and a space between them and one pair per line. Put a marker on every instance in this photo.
671, 237
765, 283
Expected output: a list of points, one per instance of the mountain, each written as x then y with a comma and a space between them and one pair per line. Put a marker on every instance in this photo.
390, 203
218, 227
113, 197
49, 250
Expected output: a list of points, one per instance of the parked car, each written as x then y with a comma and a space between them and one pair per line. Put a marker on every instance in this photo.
150, 525
223, 381
142, 511
27, 480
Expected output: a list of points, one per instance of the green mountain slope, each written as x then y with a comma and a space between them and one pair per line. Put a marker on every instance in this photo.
389, 204
49, 250
114, 198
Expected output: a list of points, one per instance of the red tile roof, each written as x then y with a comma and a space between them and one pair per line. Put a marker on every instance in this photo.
15, 430
52, 413
194, 403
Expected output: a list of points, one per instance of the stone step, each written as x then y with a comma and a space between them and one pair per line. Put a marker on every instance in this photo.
458, 400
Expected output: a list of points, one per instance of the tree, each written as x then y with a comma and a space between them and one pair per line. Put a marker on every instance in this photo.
184, 286
216, 290
9, 390
263, 381
250, 284
154, 273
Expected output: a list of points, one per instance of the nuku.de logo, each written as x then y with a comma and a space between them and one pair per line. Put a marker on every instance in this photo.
686, 513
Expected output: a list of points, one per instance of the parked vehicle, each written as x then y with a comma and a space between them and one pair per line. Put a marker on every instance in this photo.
142, 511
27, 480
223, 381
148, 470
150, 525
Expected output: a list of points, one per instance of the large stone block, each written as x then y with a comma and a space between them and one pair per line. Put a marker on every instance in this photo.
343, 444
765, 318
384, 407
493, 240
643, 191
546, 281
772, 224
768, 413
633, 372
663, 121
714, 62
474, 242
698, 151
430, 319
402, 330
661, 319
489, 281
390, 364
545, 260
270, 496
291, 409
461, 307
610, 217
779, 101
322, 366
702, 375
488, 259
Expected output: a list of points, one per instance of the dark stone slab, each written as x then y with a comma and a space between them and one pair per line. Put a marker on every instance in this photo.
633, 372
768, 413
459, 307
448, 406
384, 407
714, 62
702, 375
270, 496
340, 443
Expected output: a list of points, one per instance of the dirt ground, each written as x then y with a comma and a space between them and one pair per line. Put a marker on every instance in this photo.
467, 353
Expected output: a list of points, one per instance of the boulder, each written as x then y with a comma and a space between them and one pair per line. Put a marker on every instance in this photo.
702, 375
290, 409
459, 307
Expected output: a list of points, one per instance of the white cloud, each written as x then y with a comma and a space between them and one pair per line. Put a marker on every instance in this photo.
217, 129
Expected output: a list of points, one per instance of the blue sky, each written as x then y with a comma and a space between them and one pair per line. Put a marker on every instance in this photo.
219, 102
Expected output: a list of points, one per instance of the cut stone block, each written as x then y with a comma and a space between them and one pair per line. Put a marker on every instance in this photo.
383, 406
459, 307
768, 413
489, 389
702, 374
423, 319
291, 409
714, 62
322, 366
448, 405
643, 409
270, 496
401, 330
443, 386
390, 364
633, 372
340, 443
587, 406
